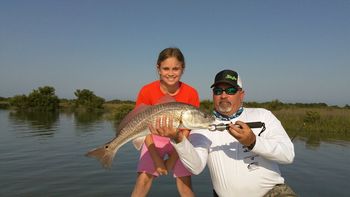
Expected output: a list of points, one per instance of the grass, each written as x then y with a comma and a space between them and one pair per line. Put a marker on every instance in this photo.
316, 124
312, 124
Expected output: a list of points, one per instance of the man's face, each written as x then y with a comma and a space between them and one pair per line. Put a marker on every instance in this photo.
227, 102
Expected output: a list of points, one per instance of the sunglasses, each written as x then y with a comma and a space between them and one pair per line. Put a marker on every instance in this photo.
229, 91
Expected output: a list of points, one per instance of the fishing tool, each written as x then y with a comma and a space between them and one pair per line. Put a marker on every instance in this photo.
223, 127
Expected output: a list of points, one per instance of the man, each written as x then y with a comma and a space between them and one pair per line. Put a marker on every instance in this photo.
242, 161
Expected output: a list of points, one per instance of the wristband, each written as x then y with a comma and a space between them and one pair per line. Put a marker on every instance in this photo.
176, 138
250, 147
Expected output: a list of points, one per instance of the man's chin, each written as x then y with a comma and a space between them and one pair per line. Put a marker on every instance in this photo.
225, 110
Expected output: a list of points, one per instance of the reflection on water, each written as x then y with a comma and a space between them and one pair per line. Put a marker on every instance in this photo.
35, 123
33, 164
84, 121
314, 136
84, 118
313, 141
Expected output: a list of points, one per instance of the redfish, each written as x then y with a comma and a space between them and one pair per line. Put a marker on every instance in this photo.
135, 125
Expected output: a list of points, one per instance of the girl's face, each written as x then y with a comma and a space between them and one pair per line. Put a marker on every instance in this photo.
170, 71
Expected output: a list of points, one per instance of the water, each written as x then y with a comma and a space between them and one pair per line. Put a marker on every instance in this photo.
43, 155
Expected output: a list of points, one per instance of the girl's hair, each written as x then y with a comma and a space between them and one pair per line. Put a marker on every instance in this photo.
171, 52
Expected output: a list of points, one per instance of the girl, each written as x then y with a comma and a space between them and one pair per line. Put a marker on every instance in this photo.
170, 67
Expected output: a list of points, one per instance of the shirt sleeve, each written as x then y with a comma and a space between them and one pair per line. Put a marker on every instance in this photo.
196, 101
193, 98
192, 154
274, 143
140, 98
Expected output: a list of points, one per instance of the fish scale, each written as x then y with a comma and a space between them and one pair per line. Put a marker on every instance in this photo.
141, 122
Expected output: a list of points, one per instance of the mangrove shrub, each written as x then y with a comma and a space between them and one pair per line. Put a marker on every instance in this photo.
42, 99
88, 100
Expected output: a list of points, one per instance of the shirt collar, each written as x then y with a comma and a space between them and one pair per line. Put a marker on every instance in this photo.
228, 118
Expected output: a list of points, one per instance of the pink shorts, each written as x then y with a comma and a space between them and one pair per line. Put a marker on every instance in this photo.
164, 147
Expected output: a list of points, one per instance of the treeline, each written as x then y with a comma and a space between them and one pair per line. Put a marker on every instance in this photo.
117, 101
45, 99
276, 105
312, 121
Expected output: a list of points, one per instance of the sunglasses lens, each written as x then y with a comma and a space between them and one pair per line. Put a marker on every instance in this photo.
231, 90
217, 91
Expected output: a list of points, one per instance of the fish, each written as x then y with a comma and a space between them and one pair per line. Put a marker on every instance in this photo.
135, 126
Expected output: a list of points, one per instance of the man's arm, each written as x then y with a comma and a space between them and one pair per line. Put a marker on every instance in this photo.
274, 143
193, 158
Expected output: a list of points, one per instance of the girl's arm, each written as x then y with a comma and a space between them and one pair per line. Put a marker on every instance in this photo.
170, 163
157, 160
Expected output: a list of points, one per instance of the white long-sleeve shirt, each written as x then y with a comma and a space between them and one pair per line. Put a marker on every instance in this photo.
234, 170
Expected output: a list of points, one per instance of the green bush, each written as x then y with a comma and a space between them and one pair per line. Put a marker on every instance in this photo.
312, 117
207, 106
88, 100
122, 111
42, 99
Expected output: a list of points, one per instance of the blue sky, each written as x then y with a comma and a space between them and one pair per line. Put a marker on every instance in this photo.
290, 50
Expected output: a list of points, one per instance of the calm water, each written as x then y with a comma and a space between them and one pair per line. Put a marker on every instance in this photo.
43, 155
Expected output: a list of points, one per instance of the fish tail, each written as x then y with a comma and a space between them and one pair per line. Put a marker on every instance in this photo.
103, 154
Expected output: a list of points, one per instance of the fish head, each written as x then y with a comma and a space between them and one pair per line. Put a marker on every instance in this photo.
196, 119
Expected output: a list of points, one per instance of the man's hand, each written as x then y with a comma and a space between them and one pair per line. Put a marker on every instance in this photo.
242, 133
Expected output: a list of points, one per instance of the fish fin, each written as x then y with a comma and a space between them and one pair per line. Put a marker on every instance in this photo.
181, 126
103, 154
139, 109
138, 142
166, 99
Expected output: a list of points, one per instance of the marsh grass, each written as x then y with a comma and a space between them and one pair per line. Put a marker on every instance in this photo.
116, 112
4, 105
316, 124
312, 122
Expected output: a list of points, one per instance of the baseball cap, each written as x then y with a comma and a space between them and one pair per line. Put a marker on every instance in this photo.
229, 77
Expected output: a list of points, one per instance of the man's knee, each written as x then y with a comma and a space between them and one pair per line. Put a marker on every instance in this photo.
281, 190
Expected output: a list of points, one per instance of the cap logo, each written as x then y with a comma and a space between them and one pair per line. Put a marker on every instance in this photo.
233, 78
